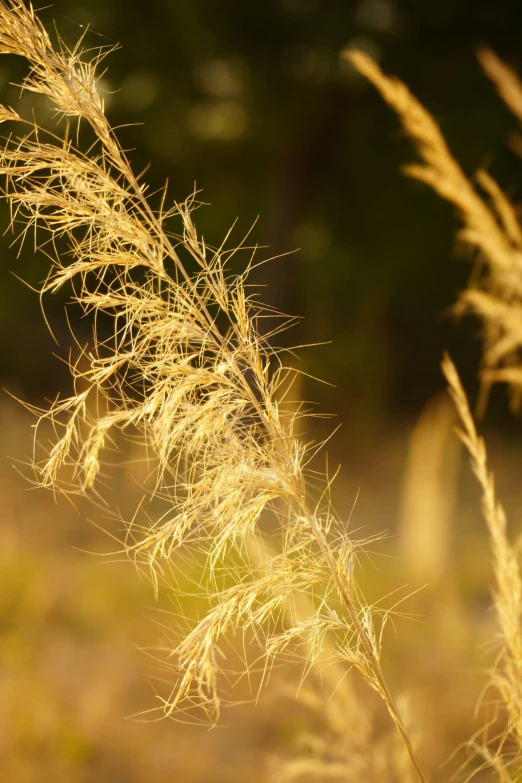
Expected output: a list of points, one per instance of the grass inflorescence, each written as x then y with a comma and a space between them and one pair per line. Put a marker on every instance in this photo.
491, 228
182, 364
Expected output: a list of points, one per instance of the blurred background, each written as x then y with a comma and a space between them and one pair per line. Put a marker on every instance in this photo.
251, 103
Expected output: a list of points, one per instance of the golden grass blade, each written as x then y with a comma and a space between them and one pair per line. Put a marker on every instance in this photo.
507, 677
429, 493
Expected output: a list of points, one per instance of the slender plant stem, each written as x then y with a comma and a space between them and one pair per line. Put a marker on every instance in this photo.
383, 686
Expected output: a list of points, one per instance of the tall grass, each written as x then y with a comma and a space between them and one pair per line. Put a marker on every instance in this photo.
491, 228
186, 368
183, 361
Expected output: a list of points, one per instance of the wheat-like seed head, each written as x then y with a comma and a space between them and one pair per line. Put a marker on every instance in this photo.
492, 229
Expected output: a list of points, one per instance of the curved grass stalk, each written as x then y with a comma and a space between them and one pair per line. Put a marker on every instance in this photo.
490, 224
507, 675
186, 369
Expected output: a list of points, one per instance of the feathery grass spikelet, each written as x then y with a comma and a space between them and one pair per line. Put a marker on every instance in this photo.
491, 229
507, 676
186, 368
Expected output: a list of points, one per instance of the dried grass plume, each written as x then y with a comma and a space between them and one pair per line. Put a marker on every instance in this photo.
180, 361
